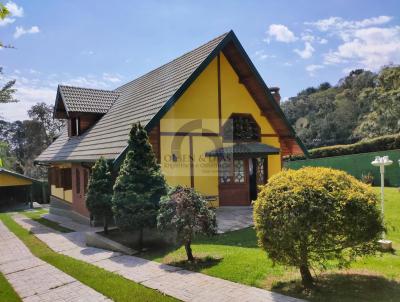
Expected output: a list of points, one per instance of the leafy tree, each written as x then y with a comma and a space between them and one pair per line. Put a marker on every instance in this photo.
44, 113
100, 191
4, 12
139, 185
307, 217
7, 160
186, 212
7, 91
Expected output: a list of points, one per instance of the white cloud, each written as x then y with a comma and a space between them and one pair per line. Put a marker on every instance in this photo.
113, 78
7, 21
20, 31
307, 52
35, 86
369, 48
308, 37
311, 69
261, 55
323, 41
288, 64
338, 23
15, 11
281, 33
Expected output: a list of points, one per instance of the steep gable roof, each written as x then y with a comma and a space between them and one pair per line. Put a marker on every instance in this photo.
147, 98
83, 100
140, 100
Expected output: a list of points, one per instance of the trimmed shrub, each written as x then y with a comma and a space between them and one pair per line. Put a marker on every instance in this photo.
186, 212
100, 191
139, 186
383, 143
307, 217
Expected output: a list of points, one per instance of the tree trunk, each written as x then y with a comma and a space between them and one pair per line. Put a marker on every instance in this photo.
189, 251
105, 225
141, 239
306, 278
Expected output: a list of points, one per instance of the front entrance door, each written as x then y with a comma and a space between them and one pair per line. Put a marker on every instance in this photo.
234, 182
257, 175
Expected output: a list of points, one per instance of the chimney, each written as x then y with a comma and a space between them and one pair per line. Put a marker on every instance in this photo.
275, 93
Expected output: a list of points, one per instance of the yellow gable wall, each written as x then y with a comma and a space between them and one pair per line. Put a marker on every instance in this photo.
200, 102
10, 180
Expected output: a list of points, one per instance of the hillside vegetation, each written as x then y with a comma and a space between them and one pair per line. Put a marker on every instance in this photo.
362, 105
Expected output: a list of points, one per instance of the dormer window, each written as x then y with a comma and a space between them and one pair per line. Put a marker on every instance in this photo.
75, 129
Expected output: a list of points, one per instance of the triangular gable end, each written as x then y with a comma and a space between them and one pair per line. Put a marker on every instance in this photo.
60, 108
249, 76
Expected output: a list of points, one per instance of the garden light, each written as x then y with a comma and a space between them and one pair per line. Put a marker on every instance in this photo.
381, 162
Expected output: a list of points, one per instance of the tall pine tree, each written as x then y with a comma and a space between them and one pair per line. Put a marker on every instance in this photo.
99, 194
139, 185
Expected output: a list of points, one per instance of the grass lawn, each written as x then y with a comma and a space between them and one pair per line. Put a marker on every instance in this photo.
235, 256
7, 293
36, 215
109, 284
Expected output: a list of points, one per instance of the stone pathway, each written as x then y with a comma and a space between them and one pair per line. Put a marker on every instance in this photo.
234, 218
35, 280
176, 282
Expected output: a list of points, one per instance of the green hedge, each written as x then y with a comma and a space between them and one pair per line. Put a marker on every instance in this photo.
382, 143
356, 165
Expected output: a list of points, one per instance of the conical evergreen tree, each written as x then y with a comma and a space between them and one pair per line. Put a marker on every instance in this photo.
139, 185
100, 192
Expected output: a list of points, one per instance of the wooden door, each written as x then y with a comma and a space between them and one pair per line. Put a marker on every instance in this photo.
79, 182
233, 182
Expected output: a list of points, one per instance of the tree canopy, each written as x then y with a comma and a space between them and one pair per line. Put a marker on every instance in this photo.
315, 216
362, 105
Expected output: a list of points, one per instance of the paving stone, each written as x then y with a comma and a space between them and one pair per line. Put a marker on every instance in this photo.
20, 265
90, 254
35, 280
74, 291
181, 284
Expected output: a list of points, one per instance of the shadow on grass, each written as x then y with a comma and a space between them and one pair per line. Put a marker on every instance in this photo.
198, 264
344, 287
240, 238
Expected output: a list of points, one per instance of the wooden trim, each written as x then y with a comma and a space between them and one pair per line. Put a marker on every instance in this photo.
269, 135
188, 134
219, 93
191, 161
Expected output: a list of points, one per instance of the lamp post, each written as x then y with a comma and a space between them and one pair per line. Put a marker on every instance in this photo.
381, 162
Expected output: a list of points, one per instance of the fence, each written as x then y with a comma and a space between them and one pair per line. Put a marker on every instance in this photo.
356, 165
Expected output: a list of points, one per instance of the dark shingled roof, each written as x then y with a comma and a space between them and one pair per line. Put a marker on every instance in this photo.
77, 99
139, 101
242, 149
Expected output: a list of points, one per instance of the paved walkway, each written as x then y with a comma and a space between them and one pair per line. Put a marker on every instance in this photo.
35, 280
181, 284
234, 218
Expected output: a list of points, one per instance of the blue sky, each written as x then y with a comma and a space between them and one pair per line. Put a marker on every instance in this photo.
103, 44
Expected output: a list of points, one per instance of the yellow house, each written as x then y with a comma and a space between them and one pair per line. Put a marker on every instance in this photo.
213, 123
14, 188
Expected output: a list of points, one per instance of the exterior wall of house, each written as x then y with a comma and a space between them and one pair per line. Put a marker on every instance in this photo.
9, 180
73, 189
192, 127
60, 186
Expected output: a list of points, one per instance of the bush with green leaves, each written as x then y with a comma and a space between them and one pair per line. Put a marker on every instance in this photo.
100, 191
185, 212
139, 185
382, 143
309, 217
